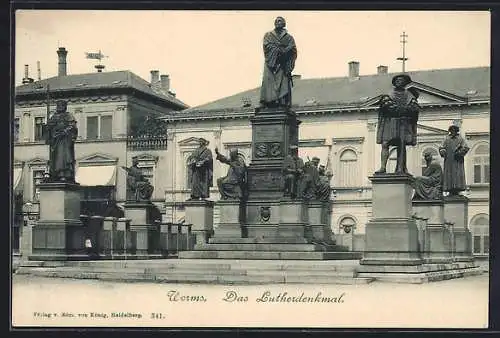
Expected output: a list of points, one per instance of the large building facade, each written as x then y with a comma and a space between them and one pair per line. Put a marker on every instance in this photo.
116, 114
339, 122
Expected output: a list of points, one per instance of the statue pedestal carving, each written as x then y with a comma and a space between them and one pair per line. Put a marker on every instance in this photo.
229, 225
200, 214
59, 234
437, 241
455, 211
392, 234
145, 233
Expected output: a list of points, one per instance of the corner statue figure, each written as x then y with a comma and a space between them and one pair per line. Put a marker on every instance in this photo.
233, 185
138, 187
453, 150
61, 133
323, 190
429, 185
280, 54
397, 122
200, 171
293, 171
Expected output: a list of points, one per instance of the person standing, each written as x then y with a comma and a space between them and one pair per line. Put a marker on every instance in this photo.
200, 171
453, 150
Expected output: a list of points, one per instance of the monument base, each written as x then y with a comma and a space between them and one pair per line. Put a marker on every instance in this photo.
229, 225
462, 245
200, 214
438, 244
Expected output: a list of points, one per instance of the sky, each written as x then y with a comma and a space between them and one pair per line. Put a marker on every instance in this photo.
213, 54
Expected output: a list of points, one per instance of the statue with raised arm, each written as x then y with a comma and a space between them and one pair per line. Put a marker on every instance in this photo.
139, 189
397, 122
280, 54
233, 185
61, 133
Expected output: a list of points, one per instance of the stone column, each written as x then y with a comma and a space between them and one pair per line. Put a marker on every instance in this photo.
125, 240
59, 234
200, 214
392, 234
107, 236
456, 212
26, 239
141, 223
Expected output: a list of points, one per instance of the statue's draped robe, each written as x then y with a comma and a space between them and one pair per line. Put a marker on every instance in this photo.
61, 136
290, 178
323, 190
231, 185
280, 54
454, 172
398, 116
429, 185
201, 175
309, 182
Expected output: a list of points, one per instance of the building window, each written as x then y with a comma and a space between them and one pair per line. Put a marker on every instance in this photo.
392, 161
347, 224
481, 164
39, 122
16, 129
348, 173
435, 156
99, 127
480, 231
37, 179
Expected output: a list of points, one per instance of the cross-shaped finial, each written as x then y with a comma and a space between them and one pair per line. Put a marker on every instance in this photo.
403, 41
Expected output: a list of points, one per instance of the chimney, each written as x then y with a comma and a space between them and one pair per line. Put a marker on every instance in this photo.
382, 69
61, 53
353, 70
165, 83
99, 68
155, 78
26, 78
38, 70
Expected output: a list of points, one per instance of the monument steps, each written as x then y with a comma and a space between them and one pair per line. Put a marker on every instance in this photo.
284, 255
187, 271
422, 277
265, 247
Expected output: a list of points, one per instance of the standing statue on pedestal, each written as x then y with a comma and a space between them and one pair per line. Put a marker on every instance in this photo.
429, 185
138, 187
324, 190
310, 180
200, 171
292, 170
233, 185
280, 54
453, 150
61, 133
397, 122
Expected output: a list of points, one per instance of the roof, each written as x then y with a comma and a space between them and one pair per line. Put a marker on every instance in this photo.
341, 91
104, 80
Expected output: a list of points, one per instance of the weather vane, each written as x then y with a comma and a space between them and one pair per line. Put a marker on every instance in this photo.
403, 59
96, 56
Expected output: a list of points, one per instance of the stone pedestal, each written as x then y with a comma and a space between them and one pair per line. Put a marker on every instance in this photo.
59, 234
318, 217
229, 225
26, 240
108, 244
437, 245
147, 234
125, 240
456, 212
200, 214
293, 219
392, 234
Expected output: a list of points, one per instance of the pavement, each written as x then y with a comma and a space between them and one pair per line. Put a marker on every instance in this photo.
455, 303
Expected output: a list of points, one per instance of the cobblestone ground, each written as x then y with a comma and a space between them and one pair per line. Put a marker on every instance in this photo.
457, 303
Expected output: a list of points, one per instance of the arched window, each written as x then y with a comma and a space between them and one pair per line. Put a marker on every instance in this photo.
347, 224
393, 159
348, 171
435, 156
481, 164
480, 228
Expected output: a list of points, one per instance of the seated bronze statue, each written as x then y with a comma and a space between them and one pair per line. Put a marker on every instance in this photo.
138, 187
233, 185
429, 185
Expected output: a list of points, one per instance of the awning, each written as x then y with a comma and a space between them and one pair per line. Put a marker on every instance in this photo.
16, 182
320, 152
96, 175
